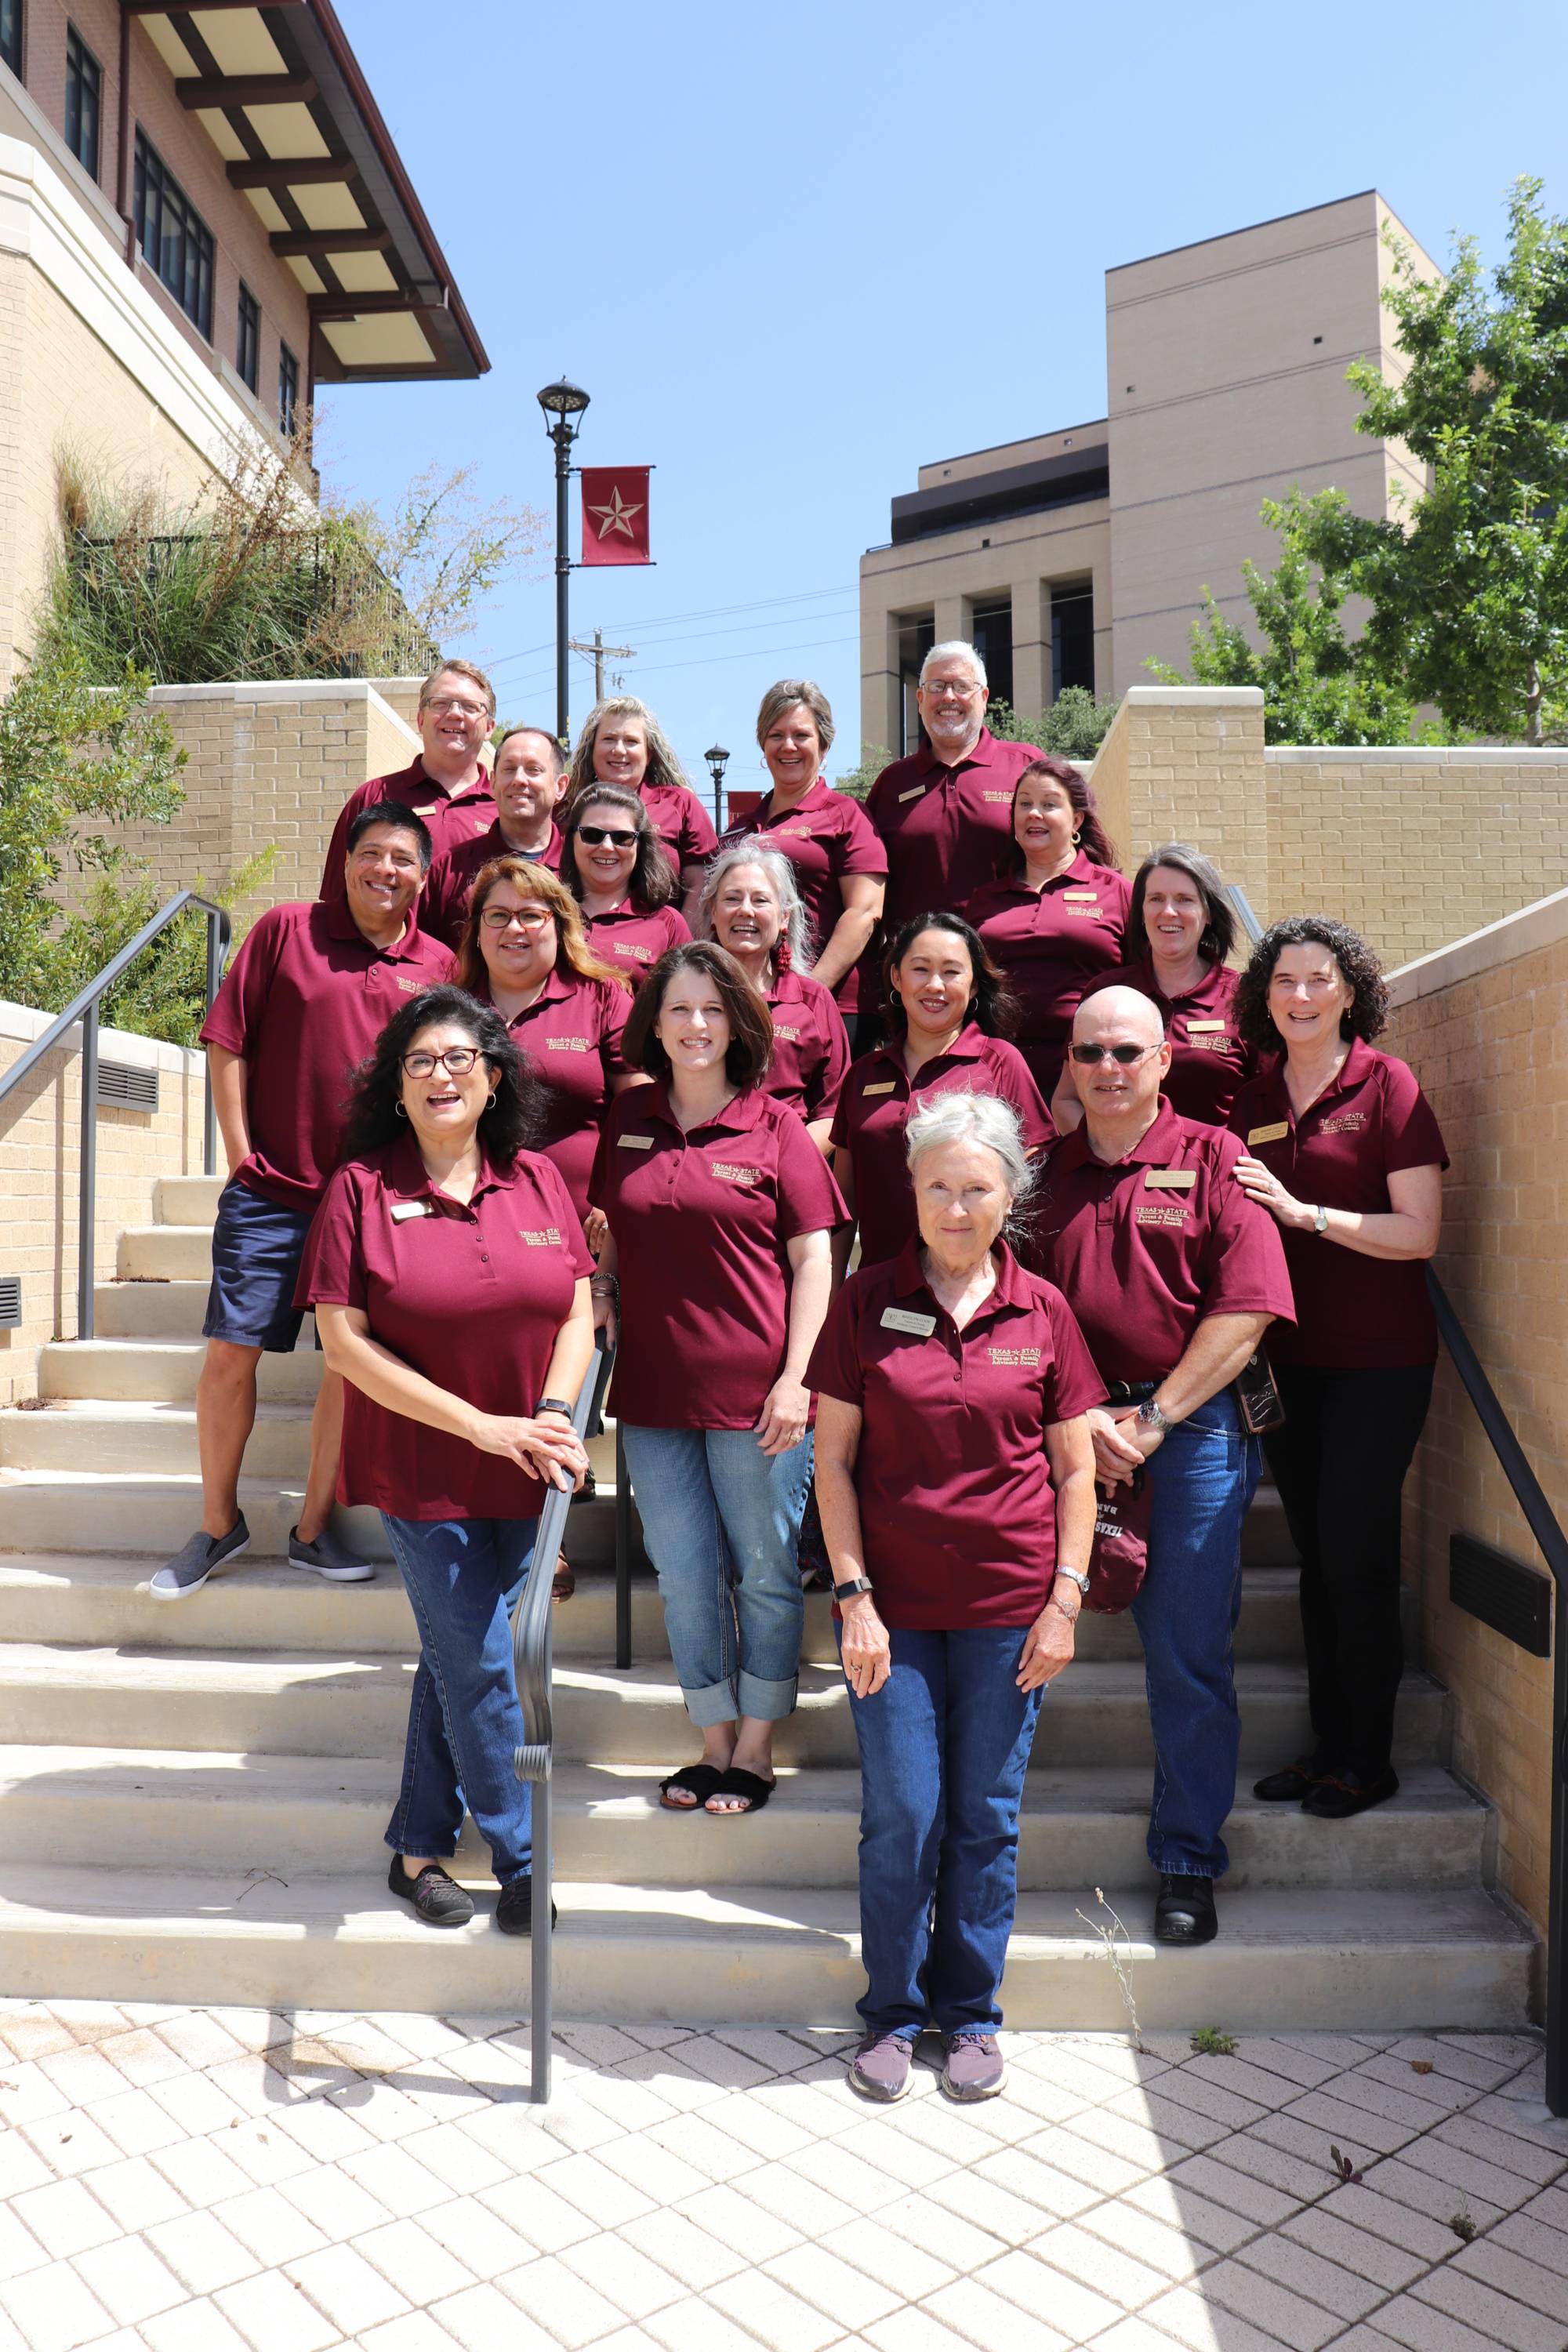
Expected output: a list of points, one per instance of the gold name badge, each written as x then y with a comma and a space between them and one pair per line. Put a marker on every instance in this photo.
634, 1142
1204, 1028
1170, 1180
883, 1087
1274, 1134
1081, 894
404, 1210
424, 808
915, 793
904, 1319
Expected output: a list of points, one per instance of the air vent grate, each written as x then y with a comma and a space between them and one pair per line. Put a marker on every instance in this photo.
1512, 1598
10, 1301
126, 1083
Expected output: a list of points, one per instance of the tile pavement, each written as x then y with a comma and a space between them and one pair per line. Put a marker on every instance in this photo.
250, 2181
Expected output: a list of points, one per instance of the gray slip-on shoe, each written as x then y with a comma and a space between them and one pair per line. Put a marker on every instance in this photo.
329, 1557
195, 1561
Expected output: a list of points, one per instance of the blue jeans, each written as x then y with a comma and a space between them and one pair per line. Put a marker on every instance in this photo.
463, 1577
944, 1745
1204, 1477
710, 1498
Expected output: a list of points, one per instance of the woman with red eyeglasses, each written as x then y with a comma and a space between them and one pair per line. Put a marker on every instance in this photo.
617, 869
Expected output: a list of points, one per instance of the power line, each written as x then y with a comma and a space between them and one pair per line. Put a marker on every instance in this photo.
713, 611
746, 653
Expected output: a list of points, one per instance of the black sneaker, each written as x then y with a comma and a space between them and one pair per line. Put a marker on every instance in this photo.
195, 1561
514, 1911
1339, 1795
1291, 1782
1184, 1909
435, 1897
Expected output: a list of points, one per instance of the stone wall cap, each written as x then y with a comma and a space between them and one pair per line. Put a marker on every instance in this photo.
1418, 755
1540, 925
1192, 698
22, 1023
271, 689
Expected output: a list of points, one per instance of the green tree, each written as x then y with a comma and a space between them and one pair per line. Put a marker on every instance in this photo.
1073, 728
1318, 685
858, 782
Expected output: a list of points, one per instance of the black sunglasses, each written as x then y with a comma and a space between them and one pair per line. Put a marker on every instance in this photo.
1090, 1057
621, 836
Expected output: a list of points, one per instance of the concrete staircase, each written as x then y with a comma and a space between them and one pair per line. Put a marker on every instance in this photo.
192, 1796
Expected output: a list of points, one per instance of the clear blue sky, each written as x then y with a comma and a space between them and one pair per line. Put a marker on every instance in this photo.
793, 253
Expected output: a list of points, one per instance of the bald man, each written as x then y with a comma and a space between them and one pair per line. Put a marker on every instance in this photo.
1174, 1275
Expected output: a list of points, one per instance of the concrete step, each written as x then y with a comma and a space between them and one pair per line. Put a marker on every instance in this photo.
303, 1705
186, 1200
165, 1254
1284, 1961
150, 1310
312, 1815
161, 1372
98, 1600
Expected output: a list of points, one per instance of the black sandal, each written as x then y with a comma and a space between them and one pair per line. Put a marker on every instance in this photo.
738, 1782
702, 1780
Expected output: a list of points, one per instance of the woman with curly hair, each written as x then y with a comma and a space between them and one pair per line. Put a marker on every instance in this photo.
614, 866
948, 1015
1341, 1148
450, 1283
621, 743
1056, 920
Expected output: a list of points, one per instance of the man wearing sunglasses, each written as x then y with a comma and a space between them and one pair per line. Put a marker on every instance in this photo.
1174, 1275
448, 786
530, 778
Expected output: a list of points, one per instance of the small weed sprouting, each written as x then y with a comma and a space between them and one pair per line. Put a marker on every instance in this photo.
1208, 2041
1462, 2224
1350, 2177
1121, 1969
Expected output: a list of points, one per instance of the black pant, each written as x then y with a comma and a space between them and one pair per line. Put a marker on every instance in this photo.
1338, 1462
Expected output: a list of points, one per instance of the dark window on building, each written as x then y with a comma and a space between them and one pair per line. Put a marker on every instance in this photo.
174, 239
991, 634
11, 35
1072, 637
287, 389
917, 634
84, 88
247, 350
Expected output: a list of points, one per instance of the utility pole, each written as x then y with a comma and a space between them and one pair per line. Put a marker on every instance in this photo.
598, 650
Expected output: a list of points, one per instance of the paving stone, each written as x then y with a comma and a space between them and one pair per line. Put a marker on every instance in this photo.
1440, 2088
1293, 2175
1316, 2277
937, 2231
202, 2252
1251, 2200
273, 2315
843, 2293
267, 2153
655, 2169
895, 2152
353, 2292
1536, 2157
692, 2256
198, 2327
1192, 2214
416, 2262
395, 2179
21, 2166
1145, 2239
1538, 2241
338, 2206
414, 2332
201, 2173
274, 2229
1440, 2160
904, 2268
1179, 2126
27, 2095
733, 2220
1288, 2060
975, 2197
1515, 2274
543, 2219
141, 2058
1459, 2296
1400, 2186
1420, 2328
53, 2309
1131, 2335
65, 2219
483, 2319
1364, 2126
695, 2326
1064, 2304
1110, 2271
910, 2330
1055, 2192
565, 2305
199, 2039
19, 2250
790, 2196
130, 2281
1188, 2314
1098, 2168
1518, 2120
973, 2310
1358, 2251
71, 2143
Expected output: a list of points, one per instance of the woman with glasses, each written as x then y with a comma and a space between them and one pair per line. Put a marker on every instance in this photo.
1055, 922
1342, 1149
449, 1279
614, 864
751, 905
621, 743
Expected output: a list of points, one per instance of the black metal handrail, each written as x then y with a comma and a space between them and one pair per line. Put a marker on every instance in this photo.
84, 1007
531, 1648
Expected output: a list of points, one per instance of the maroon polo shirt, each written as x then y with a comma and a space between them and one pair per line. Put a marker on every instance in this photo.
449, 885
450, 818
1141, 1259
945, 830
570, 1034
957, 1509
473, 1297
825, 836
1053, 944
1352, 1311
811, 1047
701, 1223
303, 1002
874, 1106
1208, 1059
679, 819
632, 938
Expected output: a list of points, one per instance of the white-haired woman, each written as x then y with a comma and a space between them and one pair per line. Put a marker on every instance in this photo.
840, 865
750, 903
955, 1475
623, 743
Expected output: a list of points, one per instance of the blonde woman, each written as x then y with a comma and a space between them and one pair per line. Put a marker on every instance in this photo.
623, 743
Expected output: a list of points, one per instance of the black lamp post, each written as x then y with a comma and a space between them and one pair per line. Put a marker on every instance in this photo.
717, 759
562, 401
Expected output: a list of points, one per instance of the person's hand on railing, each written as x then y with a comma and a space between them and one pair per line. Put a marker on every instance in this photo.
548, 1445
605, 1293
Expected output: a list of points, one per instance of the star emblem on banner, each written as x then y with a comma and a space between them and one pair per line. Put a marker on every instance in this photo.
617, 516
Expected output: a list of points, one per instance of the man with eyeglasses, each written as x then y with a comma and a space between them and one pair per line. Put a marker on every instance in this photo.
530, 779
312, 987
1174, 1275
448, 786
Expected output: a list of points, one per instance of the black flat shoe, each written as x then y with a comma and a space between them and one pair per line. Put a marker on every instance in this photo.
1184, 1909
1291, 1782
433, 1896
1338, 1795
514, 1911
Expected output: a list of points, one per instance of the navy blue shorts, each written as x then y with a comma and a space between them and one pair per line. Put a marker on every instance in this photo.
257, 1249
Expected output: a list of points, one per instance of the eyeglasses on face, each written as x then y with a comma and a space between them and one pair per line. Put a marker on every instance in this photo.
963, 689
1090, 1058
457, 1061
619, 837
527, 918
445, 704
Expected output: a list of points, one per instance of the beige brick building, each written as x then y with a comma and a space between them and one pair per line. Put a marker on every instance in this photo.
1072, 556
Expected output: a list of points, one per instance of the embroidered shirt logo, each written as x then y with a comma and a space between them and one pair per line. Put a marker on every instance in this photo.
728, 1173
1205, 1042
567, 1045
540, 1236
791, 1036
410, 987
1349, 1122
1027, 1356
626, 948
1145, 1214
1006, 797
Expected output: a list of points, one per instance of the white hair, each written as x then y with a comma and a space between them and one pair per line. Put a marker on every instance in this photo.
985, 1119
955, 650
794, 937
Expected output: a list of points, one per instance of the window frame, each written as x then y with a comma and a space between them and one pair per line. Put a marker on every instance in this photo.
13, 51
248, 331
288, 390
158, 194
84, 78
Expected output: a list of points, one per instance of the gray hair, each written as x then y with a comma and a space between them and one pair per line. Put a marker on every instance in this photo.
785, 695
955, 650
795, 937
941, 1120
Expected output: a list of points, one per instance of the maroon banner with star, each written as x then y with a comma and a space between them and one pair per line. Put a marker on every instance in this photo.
614, 514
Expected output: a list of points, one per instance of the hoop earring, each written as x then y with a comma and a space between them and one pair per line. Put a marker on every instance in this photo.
1078, 838
397, 1107
487, 1105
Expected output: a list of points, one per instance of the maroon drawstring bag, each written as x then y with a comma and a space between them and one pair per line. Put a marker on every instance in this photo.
1119, 1561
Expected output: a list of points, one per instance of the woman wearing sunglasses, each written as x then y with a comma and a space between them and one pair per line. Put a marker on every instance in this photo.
450, 1283
613, 862
623, 744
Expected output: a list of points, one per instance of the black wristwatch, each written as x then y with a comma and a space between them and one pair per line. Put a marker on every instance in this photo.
554, 1404
851, 1586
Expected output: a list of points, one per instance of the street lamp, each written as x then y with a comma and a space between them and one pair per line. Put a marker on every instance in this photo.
717, 759
562, 401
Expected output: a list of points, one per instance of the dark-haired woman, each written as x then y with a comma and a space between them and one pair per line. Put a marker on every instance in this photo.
1343, 1150
1056, 922
1180, 930
720, 1209
750, 903
450, 1283
623, 744
614, 864
948, 1013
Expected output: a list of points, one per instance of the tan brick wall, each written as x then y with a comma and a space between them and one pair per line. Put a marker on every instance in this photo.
1186, 763
40, 1150
1484, 1024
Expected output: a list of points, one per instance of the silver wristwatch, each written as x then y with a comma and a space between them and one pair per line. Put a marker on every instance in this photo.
1149, 1414
1074, 1578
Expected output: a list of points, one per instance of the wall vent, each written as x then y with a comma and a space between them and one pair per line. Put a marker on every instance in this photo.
1512, 1598
128, 1085
10, 1302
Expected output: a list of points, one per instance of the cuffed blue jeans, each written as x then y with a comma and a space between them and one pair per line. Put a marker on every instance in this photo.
721, 1521
463, 1577
1203, 1476
944, 1745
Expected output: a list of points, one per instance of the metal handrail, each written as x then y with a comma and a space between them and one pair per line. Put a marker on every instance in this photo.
84, 1007
531, 1647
